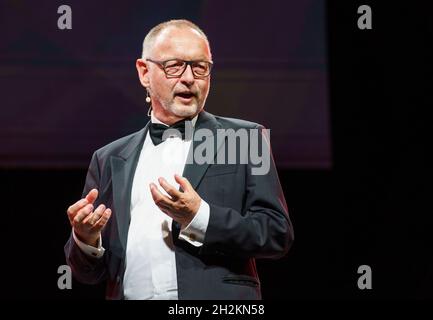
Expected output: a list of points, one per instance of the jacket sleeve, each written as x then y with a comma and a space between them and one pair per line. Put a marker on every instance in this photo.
264, 229
85, 268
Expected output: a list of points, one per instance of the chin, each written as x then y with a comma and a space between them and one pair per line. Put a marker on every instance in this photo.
184, 110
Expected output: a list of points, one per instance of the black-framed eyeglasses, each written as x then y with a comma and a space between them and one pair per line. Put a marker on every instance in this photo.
174, 68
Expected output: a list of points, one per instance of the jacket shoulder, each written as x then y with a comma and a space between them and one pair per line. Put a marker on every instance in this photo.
233, 123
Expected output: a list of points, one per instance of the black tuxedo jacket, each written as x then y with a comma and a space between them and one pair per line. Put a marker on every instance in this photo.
248, 220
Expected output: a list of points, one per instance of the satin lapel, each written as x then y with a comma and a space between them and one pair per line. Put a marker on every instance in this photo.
123, 169
193, 171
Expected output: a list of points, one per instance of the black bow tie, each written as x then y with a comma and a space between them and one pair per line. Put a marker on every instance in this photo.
177, 129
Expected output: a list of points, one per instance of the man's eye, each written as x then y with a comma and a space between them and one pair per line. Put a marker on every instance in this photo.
174, 64
200, 67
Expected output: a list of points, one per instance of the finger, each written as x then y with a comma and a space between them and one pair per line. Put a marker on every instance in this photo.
73, 210
163, 206
183, 182
172, 191
83, 213
103, 220
158, 197
95, 216
92, 195
166, 210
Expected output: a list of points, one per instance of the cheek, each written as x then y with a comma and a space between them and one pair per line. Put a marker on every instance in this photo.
163, 87
204, 88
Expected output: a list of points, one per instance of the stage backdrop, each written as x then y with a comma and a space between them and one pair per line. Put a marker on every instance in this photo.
65, 93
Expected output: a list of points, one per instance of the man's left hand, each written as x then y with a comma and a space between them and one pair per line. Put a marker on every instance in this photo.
181, 206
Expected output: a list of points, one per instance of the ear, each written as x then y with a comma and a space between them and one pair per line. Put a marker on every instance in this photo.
143, 72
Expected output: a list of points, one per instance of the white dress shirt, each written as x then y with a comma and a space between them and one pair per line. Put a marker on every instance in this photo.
150, 258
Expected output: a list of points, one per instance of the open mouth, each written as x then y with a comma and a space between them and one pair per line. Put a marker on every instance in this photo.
185, 95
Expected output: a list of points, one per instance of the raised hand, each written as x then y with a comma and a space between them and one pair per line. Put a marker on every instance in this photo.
87, 224
180, 206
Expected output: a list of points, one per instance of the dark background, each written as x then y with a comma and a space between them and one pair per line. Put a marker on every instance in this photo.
69, 92
371, 206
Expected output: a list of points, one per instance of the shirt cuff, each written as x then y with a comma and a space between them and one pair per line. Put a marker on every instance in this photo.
194, 232
89, 250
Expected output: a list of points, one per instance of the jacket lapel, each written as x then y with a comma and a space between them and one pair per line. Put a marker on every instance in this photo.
123, 169
193, 171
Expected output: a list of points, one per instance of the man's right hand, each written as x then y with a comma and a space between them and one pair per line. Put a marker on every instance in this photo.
87, 224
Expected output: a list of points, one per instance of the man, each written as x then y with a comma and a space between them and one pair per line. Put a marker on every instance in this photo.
196, 234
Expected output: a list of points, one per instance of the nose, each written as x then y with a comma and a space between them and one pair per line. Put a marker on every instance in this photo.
187, 76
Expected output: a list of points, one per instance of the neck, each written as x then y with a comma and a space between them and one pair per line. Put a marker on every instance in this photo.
167, 117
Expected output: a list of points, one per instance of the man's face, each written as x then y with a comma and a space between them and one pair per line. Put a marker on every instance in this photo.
184, 96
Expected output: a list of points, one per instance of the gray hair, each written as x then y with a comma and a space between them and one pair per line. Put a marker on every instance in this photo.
155, 31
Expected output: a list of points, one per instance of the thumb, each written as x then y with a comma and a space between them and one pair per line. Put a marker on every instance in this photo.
183, 182
92, 195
